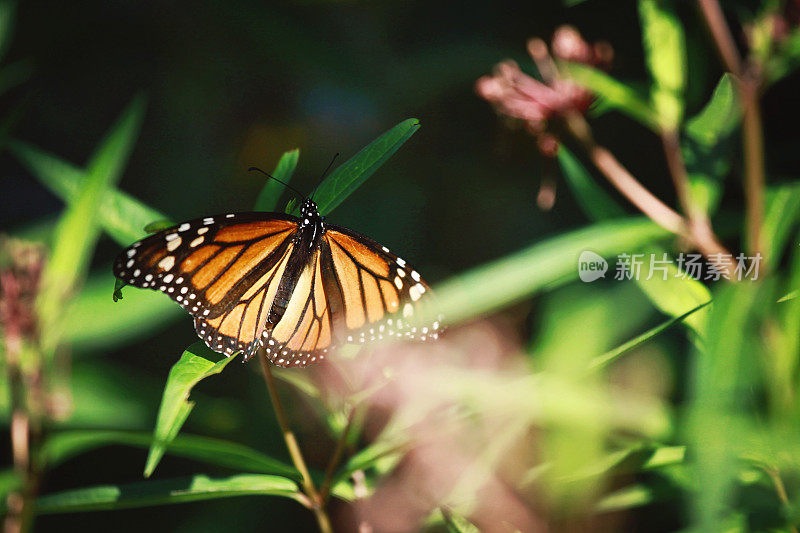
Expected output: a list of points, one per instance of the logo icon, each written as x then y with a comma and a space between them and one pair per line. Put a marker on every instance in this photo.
591, 266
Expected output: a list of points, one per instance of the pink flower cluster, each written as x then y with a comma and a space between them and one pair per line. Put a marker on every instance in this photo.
520, 96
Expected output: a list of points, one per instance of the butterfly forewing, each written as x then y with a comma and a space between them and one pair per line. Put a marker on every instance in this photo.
252, 279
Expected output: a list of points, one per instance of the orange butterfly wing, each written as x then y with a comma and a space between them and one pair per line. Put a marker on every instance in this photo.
222, 269
241, 278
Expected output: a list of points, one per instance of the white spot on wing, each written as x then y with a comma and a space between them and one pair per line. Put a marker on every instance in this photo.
173, 244
196, 242
167, 263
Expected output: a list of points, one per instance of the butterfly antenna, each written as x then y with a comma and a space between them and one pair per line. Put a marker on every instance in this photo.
324, 174
298, 193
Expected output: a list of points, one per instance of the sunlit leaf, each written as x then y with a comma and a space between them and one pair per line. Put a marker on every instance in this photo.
545, 264
665, 52
350, 175
674, 292
196, 363
626, 498
271, 192
164, 492
613, 93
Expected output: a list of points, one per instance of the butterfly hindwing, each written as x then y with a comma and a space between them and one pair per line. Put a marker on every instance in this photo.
380, 292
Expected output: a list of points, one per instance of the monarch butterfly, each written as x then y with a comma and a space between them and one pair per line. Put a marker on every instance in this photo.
297, 287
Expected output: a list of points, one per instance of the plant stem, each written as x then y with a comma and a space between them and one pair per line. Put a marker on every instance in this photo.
337, 456
748, 85
635, 192
726, 46
698, 224
755, 173
317, 505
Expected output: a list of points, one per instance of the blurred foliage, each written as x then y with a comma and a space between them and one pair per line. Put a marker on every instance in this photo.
645, 405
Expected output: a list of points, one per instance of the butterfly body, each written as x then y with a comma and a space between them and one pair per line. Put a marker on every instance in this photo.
297, 287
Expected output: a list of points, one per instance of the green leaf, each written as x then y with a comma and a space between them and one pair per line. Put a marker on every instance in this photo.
350, 175
196, 363
158, 225
67, 444
96, 322
665, 50
596, 203
118, 286
781, 216
625, 498
271, 192
707, 144
610, 356
675, 295
724, 371
164, 492
122, 216
548, 263
9, 482
8, 10
78, 229
613, 93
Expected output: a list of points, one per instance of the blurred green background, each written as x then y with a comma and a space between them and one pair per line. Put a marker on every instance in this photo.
231, 85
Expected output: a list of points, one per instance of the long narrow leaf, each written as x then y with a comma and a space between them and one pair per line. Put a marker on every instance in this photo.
614, 93
355, 171
553, 261
196, 363
65, 445
164, 492
78, 230
271, 193
122, 216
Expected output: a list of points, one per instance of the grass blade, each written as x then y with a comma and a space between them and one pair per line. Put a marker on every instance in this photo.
605, 359
164, 492
196, 363
350, 175
271, 192
78, 229
62, 446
